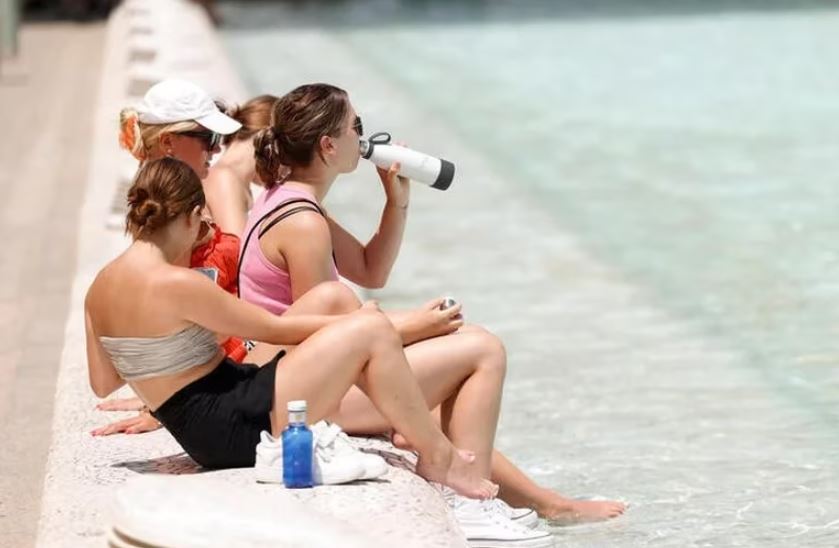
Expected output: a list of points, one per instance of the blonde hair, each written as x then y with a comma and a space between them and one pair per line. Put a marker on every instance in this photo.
141, 139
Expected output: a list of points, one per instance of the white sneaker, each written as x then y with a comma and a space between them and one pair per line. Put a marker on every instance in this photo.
486, 525
523, 516
330, 434
269, 459
329, 468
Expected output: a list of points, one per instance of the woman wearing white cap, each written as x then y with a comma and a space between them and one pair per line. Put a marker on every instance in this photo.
176, 119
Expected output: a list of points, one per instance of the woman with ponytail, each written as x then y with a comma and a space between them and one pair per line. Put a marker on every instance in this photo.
291, 245
228, 184
176, 119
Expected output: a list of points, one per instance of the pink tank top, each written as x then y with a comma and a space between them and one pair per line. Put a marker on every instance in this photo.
260, 281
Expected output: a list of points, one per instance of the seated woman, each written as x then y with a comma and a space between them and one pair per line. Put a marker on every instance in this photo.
178, 119
291, 245
228, 183
151, 323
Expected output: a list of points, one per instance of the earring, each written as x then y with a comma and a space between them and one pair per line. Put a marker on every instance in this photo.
168, 153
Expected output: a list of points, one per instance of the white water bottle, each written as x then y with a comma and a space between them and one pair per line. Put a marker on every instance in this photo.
434, 172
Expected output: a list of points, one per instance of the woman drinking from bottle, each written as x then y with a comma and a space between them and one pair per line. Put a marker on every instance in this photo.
291, 244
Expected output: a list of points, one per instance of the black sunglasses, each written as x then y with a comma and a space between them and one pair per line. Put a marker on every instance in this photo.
211, 139
357, 126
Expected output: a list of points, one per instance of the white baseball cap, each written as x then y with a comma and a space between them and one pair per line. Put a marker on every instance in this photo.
175, 100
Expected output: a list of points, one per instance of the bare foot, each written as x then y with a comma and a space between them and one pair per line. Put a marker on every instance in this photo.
562, 511
453, 467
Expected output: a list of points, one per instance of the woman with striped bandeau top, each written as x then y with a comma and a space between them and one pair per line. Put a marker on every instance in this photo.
178, 119
151, 322
291, 245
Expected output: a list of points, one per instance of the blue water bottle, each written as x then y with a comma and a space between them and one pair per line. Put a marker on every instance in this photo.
297, 448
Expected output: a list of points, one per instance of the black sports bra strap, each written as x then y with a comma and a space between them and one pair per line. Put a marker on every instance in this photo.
282, 216
273, 222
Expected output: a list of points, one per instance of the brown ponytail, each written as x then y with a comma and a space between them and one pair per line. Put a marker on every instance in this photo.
298, 121
254, 116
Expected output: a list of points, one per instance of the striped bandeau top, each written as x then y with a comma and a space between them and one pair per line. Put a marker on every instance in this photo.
137, 358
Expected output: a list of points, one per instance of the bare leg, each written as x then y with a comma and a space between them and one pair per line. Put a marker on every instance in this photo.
365, 349
439, 363
359, 415
464, 373
520, 491
326, 298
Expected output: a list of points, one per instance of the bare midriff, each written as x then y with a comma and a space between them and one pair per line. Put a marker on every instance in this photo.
155, 391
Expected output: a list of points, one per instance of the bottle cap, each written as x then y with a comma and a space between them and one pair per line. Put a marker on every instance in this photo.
297, 406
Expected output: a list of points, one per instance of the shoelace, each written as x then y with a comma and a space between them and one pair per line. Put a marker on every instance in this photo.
339, 439
499, 516
495, 512
333, 441
326, 437
502, 507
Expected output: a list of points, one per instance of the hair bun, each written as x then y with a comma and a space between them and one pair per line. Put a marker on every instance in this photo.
148, 211
144, 212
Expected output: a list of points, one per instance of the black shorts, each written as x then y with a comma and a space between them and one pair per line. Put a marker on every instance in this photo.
217, 419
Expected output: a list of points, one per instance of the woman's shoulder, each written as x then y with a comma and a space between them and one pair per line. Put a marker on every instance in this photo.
222, 177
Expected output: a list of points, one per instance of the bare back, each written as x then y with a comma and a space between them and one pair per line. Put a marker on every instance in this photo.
129, 298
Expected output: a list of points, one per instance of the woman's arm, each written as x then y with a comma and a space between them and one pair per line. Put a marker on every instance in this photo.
226, 200
102, 374
198, 300
370, 265
307, 252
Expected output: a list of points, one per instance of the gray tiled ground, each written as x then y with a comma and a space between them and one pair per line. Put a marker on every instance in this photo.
46, 103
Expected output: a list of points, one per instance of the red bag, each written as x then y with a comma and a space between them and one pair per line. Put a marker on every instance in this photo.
220, 259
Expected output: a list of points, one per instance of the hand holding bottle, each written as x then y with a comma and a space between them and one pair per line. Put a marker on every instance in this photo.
397, 187
434, 172
430, 320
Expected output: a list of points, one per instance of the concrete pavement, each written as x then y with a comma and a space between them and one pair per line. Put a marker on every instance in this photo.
46, 104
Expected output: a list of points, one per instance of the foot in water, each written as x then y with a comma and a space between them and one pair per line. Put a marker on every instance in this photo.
562, 511
454, 468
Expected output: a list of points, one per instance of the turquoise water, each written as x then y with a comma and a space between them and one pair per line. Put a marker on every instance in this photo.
694, 152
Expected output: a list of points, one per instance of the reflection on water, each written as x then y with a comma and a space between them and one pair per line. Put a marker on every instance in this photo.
692, 148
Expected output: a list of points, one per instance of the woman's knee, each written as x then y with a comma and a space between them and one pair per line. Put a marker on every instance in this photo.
374, 329
492, 350
335, 298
